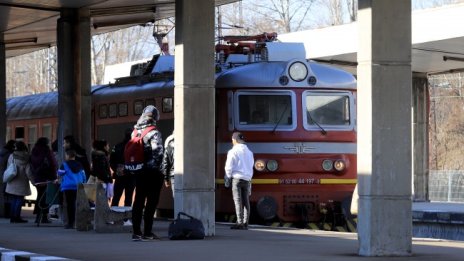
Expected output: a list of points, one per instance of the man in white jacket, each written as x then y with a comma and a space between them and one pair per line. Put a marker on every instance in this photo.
239, 168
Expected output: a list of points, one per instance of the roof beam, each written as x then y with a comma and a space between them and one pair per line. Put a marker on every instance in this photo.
33, 7
121, 10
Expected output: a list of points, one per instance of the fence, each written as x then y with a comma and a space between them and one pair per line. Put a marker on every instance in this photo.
446, 185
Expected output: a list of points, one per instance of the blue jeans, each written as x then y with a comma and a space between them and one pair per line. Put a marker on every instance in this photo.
16, 205
241, 190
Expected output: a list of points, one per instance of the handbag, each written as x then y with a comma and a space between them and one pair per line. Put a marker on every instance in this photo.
190, 228
10, 172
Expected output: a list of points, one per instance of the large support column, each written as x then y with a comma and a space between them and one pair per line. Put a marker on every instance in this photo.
194, 111
420, 153
2, 92
74, 100
2, 112
83, 79
384, 128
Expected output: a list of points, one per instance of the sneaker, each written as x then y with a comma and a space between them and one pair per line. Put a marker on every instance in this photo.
150, 237
136, 237
127, 223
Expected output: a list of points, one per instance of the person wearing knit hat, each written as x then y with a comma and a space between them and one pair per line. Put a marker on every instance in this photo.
239, 169
149, 180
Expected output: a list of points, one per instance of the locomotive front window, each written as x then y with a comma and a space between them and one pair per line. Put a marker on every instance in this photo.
265, 110
331, 110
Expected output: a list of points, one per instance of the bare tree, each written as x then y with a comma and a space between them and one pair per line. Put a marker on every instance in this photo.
130, 44
282, 16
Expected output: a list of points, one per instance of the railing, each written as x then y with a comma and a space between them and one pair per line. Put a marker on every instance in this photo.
446, 185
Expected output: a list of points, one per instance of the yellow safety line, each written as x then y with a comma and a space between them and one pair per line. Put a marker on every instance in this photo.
338, 181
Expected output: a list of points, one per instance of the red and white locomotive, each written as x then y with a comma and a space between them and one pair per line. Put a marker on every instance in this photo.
298, 117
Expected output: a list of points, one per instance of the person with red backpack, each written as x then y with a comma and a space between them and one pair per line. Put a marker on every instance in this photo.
143, 155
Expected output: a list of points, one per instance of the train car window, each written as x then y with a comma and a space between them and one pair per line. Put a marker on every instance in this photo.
103, 111
112, 110
123, 109
19, 133
138, 107
265, 110
32, 135
150, 102
47, 131
8, 133
332, 110
167, 104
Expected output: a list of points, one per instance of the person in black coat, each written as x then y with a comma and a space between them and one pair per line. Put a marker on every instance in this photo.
123, 180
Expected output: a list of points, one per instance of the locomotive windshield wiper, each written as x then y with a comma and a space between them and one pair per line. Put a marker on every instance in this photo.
315, 122
280, 119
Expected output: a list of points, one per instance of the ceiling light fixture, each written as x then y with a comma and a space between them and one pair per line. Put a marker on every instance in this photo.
23, 40
452, 58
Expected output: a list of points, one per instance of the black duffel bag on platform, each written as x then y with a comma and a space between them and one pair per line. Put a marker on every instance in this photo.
182, 228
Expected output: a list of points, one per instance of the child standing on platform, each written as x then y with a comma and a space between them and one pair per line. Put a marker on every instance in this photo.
72, 173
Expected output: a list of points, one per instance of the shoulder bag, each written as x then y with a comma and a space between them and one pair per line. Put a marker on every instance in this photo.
190, 228
10, 172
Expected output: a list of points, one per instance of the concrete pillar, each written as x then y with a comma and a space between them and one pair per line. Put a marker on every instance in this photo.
84, 79
74, 100
420, 152
2, 112
194, 111
384, 128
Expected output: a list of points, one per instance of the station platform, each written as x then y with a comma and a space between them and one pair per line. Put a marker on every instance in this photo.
257, 243
438, 220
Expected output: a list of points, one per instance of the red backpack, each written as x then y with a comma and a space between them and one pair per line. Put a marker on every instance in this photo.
134, 156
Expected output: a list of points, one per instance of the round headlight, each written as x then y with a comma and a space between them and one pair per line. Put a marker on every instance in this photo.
260, 165
339, 165
298, 71
327, 165
272, 165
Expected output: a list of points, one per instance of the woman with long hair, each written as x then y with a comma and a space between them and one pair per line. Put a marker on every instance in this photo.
44, 169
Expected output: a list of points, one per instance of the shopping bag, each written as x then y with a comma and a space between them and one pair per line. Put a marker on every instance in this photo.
10, 172
190, 228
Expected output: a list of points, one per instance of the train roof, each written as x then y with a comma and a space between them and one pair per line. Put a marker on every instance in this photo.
33, 106
268, 75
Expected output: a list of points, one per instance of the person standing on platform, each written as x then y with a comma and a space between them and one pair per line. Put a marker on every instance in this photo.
69, 142
18, 187
167, 167
44, 169
101, 165
5, 153
148, 176
72, 174
239, 168
123, 180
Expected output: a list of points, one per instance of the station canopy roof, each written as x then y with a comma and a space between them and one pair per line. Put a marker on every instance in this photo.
30, 25
437, 41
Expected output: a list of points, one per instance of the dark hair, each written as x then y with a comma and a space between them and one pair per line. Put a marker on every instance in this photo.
21, 146
99, 144
55, 145
10, 145
70, 153
70, 139
42, 142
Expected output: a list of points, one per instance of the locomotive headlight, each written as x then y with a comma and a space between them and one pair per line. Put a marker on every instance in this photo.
327, 165
298, 71
339, 165
272, 165
260, 165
